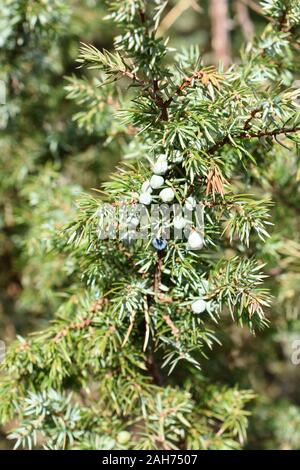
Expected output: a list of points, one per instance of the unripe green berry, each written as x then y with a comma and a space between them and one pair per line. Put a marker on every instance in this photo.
123, 437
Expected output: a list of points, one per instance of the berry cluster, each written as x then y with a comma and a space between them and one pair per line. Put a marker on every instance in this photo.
167, 195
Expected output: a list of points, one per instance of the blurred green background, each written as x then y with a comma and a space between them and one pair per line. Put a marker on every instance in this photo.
48, 158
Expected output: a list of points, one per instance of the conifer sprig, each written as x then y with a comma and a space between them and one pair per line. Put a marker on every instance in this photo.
143, 316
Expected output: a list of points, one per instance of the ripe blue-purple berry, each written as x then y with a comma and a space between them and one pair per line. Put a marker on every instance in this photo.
159, 244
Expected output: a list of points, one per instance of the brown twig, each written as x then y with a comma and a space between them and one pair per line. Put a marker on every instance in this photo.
172, 326
157, 275
188, 81
282, 21
253, 113
185, 84
252, 135
95, 307
283, 130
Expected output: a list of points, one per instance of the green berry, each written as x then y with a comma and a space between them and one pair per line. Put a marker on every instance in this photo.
123, 437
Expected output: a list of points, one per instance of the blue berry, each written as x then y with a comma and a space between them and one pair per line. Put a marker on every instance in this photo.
159, 244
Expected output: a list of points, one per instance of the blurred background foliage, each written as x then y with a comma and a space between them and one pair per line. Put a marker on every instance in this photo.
51, 151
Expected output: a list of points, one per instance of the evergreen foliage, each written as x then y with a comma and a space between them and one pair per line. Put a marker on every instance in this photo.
125, 362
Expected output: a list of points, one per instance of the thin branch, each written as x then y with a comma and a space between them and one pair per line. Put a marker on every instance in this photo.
283, 130
130, 328
198, 75
157, 275
175, 13
244, 20
134, 77
147, 324
254, 6
252, 116
84, 323
221, 43
187, 82
257, 9
253, 135
172, 326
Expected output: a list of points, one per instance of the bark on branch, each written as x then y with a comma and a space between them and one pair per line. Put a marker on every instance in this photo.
220, 30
